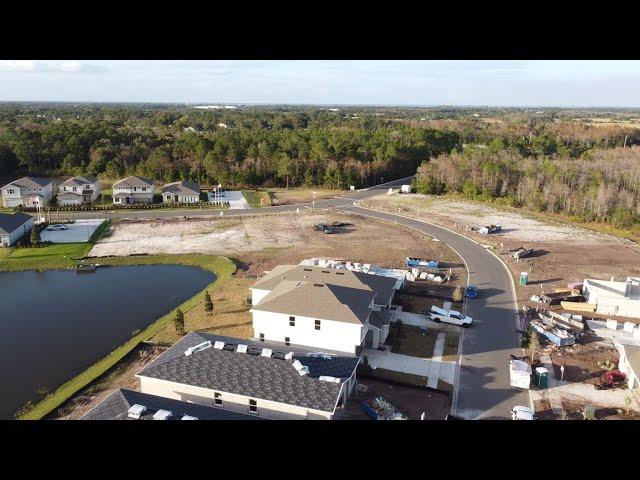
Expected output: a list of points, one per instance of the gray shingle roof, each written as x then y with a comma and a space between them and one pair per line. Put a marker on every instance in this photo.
116, 407
134, 181
8, 223
321, 300
78, 181
184, 187
30, 182
382, 286
378, 319
258, 377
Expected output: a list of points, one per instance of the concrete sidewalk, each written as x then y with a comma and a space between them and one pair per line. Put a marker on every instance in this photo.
444, 370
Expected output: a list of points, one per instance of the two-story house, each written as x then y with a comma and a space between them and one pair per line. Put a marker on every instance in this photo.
251, 377
78, 191
326, 308
28, 192
132, 190
181, 192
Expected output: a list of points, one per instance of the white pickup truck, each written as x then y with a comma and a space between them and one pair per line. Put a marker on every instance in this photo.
438, 315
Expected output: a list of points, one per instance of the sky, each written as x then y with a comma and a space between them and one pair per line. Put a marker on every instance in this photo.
583, 83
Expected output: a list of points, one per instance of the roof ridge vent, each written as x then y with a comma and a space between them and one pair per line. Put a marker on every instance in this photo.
197, 348
301, 369
136, 411
242, 348
218, 345
188, 417
162, 415
289, 356
266, 352
329, 378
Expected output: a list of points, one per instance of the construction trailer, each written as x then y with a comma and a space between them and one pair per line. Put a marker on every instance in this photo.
520, 374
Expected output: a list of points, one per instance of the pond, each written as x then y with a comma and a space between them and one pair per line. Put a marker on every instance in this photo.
54, 324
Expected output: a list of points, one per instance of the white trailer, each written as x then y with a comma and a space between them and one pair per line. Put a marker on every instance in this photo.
520, 374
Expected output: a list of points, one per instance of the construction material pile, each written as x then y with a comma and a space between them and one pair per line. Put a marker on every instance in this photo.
379, 409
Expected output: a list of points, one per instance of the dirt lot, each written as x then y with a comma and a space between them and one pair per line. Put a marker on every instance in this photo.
581, 361
563, 253
121, 376
412, 402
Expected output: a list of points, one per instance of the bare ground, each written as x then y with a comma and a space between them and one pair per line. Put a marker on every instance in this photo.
563, 253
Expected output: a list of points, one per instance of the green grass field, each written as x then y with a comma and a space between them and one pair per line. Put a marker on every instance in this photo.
254, 197
221, 266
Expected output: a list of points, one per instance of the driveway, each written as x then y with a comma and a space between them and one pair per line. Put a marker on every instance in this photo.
409, 364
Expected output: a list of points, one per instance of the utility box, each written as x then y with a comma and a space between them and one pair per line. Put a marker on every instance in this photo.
524, 278
542, 377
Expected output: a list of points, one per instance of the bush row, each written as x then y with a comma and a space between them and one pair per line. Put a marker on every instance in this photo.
137, 206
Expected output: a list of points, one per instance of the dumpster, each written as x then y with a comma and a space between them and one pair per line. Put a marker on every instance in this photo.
542, 377
524, 278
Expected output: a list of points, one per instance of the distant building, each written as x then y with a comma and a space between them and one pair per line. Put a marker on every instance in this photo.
78, 190
132, 190
255, 378
13, 227
131, 405
614, 298
27, 192
181, 192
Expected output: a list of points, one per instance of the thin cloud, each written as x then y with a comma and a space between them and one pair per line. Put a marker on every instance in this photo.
37, 66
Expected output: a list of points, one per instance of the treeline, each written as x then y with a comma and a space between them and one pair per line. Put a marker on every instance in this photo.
251, 148
603, 188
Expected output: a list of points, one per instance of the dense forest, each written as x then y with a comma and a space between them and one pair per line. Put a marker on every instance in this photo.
603, 186
253, 146
280, 146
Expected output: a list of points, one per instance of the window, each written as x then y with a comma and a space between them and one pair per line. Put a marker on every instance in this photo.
144, 189
262, 337
253, 406
11, 191
287, 341
292, 321
74, 189
135, 189
217, 398
317, 324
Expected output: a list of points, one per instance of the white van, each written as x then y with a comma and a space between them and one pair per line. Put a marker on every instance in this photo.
438, 315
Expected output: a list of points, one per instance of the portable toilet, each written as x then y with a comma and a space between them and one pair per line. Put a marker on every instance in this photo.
542, 377
524, 278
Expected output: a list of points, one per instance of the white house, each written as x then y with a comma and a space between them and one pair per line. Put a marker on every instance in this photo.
132, 190
614, 298
28, 192
334, 309
78, 191
181, 192
251, 377
13, 227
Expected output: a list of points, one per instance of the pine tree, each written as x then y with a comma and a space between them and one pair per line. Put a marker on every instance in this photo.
208, 304
178, 322
35, 236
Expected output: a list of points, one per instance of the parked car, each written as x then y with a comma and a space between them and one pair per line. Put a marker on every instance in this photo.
56, 228
522, 413
471, 291
454, 317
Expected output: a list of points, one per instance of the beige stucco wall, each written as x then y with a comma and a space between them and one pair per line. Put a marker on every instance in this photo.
232, 402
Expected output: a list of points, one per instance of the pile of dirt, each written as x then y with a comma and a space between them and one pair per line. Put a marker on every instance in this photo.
583, 363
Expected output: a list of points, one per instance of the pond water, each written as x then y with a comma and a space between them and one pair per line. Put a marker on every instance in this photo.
55, 324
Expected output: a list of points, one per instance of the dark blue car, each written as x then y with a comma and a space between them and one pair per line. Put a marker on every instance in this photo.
471, 291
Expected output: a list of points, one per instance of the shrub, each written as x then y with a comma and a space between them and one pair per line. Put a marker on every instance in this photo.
178, 322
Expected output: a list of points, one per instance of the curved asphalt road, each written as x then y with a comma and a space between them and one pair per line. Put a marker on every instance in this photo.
483, 390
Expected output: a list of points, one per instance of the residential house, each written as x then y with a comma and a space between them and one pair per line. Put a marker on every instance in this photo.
28, 192
131, 405
181, 192
319, 307
78, 191
132, 190
13, 227
253, 378
614, 298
